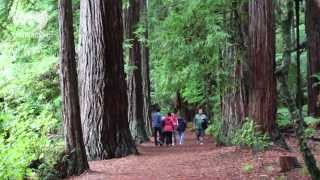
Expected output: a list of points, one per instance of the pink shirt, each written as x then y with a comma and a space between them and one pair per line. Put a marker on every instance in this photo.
168, 124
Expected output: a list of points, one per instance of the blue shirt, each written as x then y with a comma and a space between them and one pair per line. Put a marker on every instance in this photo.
156, 120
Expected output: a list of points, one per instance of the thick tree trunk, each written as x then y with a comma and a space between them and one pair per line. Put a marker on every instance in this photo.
135, 83
234, 101
145, 68
103, 98
262, 95
74, 148
262, 79
313, 36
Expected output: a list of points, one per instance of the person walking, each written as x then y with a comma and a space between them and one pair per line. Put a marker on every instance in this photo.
200, 123
182, 125
168, 128
175, 125
157, 127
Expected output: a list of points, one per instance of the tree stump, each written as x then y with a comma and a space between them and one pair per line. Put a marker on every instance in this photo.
288, 163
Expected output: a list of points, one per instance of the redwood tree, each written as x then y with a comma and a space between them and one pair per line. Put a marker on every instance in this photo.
74, 147
235, 100
135, 83
262, 81
103, 96
313, 36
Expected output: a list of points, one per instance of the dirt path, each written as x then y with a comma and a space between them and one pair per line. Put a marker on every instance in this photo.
192, 161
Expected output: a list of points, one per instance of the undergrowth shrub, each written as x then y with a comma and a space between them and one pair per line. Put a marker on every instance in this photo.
247, 136
30, 127
283, 118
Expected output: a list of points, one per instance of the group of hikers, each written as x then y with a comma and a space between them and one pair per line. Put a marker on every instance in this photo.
170, 129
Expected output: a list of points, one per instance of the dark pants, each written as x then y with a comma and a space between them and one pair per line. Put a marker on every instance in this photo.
157, 130
168, 138
200, 134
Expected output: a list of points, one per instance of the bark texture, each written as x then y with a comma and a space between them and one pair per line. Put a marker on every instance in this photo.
103, 98
235, 99
135, 81
74, 147
262, 79
262, 95
313, 36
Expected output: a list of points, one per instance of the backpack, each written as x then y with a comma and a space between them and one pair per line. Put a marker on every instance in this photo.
204, 123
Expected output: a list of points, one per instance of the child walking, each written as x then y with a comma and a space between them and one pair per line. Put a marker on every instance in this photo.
182, 125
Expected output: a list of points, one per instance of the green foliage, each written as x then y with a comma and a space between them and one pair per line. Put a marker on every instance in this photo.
247, 168
317, 77
185, 40
247, 136
29, 126
30, 110
214, 129
312, 124
283, 118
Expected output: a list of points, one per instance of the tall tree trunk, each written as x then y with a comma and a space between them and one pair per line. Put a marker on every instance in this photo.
145, 68
103, 97
74, 147
135, 83
262, 95
313, 36
234, 106
262, 79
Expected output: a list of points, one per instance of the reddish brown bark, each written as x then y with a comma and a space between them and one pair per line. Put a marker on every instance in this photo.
313, 36
262, 81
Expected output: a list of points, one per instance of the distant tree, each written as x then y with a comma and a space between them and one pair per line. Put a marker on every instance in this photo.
145, 67
103, 96
74, 146
135, 79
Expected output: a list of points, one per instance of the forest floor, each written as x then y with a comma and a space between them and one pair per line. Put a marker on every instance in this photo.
192, 161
